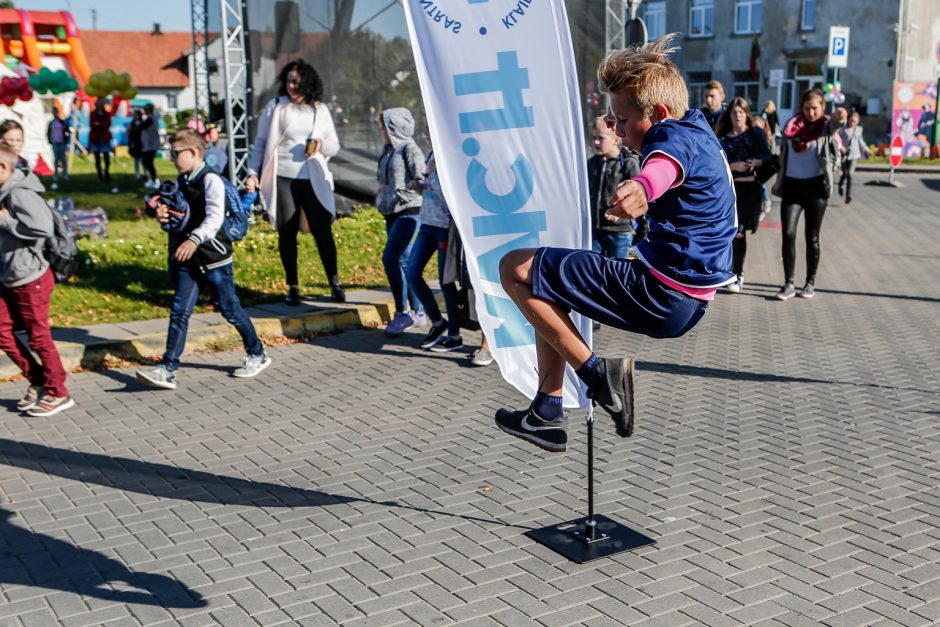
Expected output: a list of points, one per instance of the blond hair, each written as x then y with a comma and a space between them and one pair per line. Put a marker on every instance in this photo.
188, 138
8, 154
647, 76
600, 123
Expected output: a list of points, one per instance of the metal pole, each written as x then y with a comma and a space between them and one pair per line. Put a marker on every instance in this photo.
936, 112
590, 525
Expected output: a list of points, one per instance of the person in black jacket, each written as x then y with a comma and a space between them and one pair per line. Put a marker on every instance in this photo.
200, 254
746, 148
610, 165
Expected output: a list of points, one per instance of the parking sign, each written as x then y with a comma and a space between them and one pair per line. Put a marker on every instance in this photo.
838, 46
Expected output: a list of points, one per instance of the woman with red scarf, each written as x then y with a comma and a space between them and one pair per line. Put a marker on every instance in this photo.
807, 166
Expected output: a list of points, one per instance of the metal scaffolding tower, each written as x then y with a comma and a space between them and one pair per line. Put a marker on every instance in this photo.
615, 22
200, 15
236, 74
621, 16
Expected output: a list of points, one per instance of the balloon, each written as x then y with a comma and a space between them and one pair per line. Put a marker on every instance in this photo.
91, 91
123, 81
27, 94
131, 93
839, 98
828, 97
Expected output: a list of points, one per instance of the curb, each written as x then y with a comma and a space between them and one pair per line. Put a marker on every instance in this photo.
323, 318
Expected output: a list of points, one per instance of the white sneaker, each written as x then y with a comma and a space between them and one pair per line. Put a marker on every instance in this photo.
158, 377
481, 357
253, 365
419, 318
738, 286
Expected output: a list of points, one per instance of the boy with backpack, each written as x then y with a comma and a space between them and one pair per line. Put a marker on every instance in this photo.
198, 217
26, 286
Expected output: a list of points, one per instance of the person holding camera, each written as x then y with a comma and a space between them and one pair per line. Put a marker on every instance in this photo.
289, 165
747, 149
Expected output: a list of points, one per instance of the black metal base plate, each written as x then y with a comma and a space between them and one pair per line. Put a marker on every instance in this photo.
568, 539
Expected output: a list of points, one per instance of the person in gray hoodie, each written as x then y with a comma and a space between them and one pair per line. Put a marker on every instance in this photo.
400, 171
26, 286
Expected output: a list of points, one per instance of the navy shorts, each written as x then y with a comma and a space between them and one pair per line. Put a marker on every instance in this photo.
620, 293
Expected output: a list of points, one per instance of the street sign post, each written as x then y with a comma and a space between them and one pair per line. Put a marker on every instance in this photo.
895, 157
838, 47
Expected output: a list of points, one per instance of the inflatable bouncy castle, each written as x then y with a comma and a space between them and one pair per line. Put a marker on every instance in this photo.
43, 39
31, 41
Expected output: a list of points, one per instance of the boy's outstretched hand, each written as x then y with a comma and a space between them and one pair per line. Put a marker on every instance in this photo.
628, 202
185, 250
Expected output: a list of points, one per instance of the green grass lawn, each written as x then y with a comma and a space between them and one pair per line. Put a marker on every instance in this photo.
123, 276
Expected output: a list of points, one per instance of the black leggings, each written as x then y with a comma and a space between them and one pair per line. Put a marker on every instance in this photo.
294, 194
106, 174
799, 195
749, 196
147, 158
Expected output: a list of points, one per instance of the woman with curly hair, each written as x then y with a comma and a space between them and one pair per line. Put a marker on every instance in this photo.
289, 164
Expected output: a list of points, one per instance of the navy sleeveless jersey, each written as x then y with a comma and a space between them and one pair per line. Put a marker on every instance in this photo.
691, 225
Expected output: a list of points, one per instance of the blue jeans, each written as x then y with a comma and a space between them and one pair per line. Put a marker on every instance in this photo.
612, 243
400, 230
431, 238
187, 282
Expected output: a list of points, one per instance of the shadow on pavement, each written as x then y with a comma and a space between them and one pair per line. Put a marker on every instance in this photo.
926, 299
761, 377
165, 481
35, 559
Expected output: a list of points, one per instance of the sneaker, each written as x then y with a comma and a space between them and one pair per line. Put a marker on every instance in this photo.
33, 392
447, 344
252, 366
786, 292
848, 200
293, 296
808, 291
481, 357
615, 393
551, 435
737, 286
158, 377
49, 405
435, 334
419, 318
399, 323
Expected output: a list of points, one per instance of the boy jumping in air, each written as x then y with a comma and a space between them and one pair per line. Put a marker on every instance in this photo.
685, 185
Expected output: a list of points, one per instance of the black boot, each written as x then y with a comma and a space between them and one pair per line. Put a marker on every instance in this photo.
336, 291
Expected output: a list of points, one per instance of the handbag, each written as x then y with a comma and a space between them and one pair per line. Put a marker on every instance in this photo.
463, 311
767, 169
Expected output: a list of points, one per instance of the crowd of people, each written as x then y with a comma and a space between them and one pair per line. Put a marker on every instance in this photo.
289, 167
805, 156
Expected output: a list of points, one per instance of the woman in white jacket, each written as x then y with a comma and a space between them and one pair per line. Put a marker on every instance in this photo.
295, 140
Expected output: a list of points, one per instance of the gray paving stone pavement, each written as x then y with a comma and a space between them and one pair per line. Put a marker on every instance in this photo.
786, 460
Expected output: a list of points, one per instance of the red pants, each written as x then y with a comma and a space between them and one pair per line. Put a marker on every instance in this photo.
29, 303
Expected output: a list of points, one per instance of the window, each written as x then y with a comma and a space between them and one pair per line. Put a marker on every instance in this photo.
746, 87
808, 15
655, 18
747, 16
171, 101
697, 82
702, 18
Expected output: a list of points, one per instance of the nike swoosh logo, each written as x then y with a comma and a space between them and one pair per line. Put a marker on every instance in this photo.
529, 427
